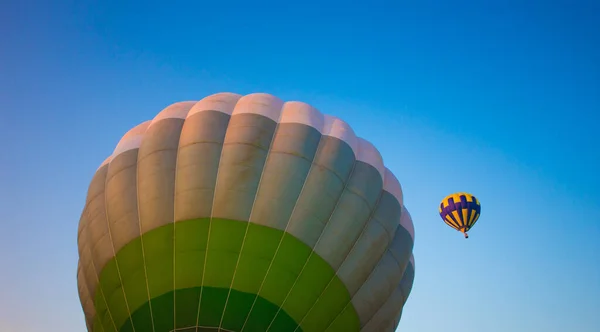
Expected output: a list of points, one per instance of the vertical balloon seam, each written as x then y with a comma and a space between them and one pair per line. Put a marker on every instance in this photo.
131, 141
405, 299
86, 237
282, 236
410, 227
85, 231
177, 110
80, 231
391, 298
174, 233
85, 250
96, 272
312, 163
139, 223
252, 210
352, 296
383, 253
113, 244
396, 319
365, 225
320, 235
370, 219
390, 237
211, 218
174, 111
200, 106
209, 103
346, 256
82, 236
390, 295
84, 293
80, 291
365, 283
281, 239
105, 302
287, 228
92, 318
403, 274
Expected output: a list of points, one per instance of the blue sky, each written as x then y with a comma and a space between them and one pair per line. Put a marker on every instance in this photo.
498, 98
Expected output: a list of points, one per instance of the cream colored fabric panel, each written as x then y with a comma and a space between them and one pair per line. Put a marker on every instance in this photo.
174, 111
98, 231
391, 326
376, 289
397, 321
386, 315
336, 128
247, 142
409, 278
83, 248
355, 206
389, 313
393, 195
324, 185
302, 113
287, 166
156, 166
392, 185
368, 154
223, 102
407, 223
121, 193
82, 289
402, 246
91, 280
364, 256
86, 278
200, 147
105, 162
83, 224
262, 104
286, 169
121, 199
384, 279
85, 297
132, 139
377, 236
352, 212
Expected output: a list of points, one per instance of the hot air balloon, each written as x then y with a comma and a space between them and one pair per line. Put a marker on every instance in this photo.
244, 213
460, 211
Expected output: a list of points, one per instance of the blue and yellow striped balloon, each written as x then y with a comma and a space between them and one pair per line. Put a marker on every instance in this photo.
460, 211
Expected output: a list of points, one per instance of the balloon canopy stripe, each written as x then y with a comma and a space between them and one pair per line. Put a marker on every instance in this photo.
175, 264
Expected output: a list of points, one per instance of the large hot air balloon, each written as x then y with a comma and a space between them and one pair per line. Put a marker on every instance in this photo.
460, 211
244, 214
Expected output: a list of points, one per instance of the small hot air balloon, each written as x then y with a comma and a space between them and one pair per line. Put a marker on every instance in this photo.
460, 211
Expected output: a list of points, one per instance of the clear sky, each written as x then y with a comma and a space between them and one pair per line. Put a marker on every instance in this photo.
498, 98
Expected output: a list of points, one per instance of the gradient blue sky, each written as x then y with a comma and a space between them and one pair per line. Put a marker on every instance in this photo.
499, 98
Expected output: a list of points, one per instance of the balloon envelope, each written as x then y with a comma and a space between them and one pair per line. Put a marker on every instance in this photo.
244, 214
460, 211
